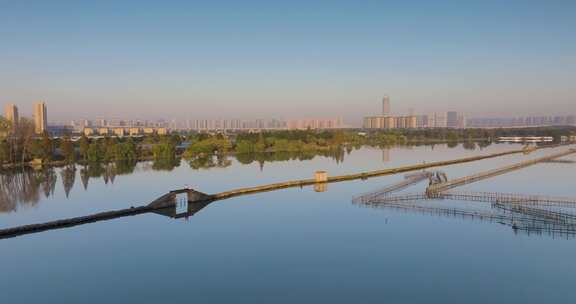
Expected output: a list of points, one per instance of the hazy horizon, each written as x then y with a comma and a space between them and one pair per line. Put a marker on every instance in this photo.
259, 59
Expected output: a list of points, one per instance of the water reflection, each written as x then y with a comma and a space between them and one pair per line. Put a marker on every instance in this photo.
385, 155
530, 214
262, 158
193, 208
220, 161
538, 220
68, 176
169, 205
24, 186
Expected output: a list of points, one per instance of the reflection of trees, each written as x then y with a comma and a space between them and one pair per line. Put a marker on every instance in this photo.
349, 149
68, 175
84, 177
125, 167
452, 144
469, 145
23, 185
165, 164
247, 158
108, 171
48, 178
484, 143
207, 162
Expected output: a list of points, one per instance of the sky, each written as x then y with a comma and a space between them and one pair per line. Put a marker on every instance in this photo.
287, 59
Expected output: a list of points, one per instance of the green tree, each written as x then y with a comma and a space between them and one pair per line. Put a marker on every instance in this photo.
125, 152
260, 145
35, 148
84, 145
94, 153
22, 140
5, 127
281, 145
109, 148
67, 148
47, 147
165, 150
4, 152
452, 137
244, 146
208, 146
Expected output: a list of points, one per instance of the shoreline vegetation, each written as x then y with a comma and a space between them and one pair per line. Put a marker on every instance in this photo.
22, 148
26, 183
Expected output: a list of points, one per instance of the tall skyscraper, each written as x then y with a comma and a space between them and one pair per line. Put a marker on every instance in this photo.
386, 106
40, 117
12, 114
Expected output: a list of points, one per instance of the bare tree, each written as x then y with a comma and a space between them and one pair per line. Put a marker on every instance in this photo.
21, 140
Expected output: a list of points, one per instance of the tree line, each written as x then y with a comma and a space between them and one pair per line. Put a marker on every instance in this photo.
21, 145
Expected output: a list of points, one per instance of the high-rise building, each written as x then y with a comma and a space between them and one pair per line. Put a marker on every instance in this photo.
452, 119
12, 114
461, 121
387, 121
440, 120
40, 117
386, 106
390, 122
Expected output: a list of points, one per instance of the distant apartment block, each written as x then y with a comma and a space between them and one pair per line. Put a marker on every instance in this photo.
452, 119
528, 121
262, 124
11, 111
40, 117
390, 122
411, 121
330, 123
134, 131
124, 131
135, 127
88, 132
386, 110
119, 132
455, 120
103, 131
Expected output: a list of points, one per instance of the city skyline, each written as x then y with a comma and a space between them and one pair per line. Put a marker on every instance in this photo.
259, 59
60, 115
386, 120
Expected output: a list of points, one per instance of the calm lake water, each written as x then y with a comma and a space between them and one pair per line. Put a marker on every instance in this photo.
288, 246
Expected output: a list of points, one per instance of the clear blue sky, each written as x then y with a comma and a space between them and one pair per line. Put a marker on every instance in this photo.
249, 59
